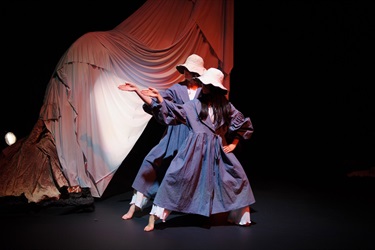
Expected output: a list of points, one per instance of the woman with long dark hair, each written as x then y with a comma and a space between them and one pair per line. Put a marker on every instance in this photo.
205, 177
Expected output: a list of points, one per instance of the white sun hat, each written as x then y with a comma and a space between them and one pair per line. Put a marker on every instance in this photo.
214, 77
194, 64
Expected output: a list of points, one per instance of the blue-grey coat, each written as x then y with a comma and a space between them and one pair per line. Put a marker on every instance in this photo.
203, 179
158, 159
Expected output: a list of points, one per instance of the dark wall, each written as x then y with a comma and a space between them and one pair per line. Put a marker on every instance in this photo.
303, 72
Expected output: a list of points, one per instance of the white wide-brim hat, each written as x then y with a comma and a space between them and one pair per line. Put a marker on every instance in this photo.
214, 77
194, 64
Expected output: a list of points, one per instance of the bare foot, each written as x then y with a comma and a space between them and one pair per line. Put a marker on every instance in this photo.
130, 213
151, 223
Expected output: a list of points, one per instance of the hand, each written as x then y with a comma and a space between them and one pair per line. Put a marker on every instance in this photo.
151, 92
128, 87
229, 148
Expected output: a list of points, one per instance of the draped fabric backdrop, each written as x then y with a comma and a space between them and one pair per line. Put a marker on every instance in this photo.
93, 124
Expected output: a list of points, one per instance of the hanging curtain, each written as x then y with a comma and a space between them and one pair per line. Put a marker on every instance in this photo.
94, 125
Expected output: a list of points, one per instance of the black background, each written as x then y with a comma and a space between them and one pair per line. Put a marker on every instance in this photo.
303, 72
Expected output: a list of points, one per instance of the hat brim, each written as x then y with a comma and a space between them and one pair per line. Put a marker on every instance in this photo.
181, 68
214, 84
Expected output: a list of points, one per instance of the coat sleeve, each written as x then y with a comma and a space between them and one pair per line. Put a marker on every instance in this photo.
240, 127
170, 113
154, 107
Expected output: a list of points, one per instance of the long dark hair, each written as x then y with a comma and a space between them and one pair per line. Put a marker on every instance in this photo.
219, 103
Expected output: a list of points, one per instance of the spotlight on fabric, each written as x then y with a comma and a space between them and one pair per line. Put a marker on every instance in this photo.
10, 138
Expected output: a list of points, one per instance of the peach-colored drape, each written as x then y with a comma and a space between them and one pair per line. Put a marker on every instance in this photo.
95, 125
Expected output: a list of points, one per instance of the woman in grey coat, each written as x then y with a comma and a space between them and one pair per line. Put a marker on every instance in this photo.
156, 162
205, 177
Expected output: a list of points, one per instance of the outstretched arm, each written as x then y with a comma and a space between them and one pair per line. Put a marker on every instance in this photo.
167, 112
133, 88
152, 92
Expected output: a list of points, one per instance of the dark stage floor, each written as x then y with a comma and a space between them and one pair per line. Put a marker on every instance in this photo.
288, 214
